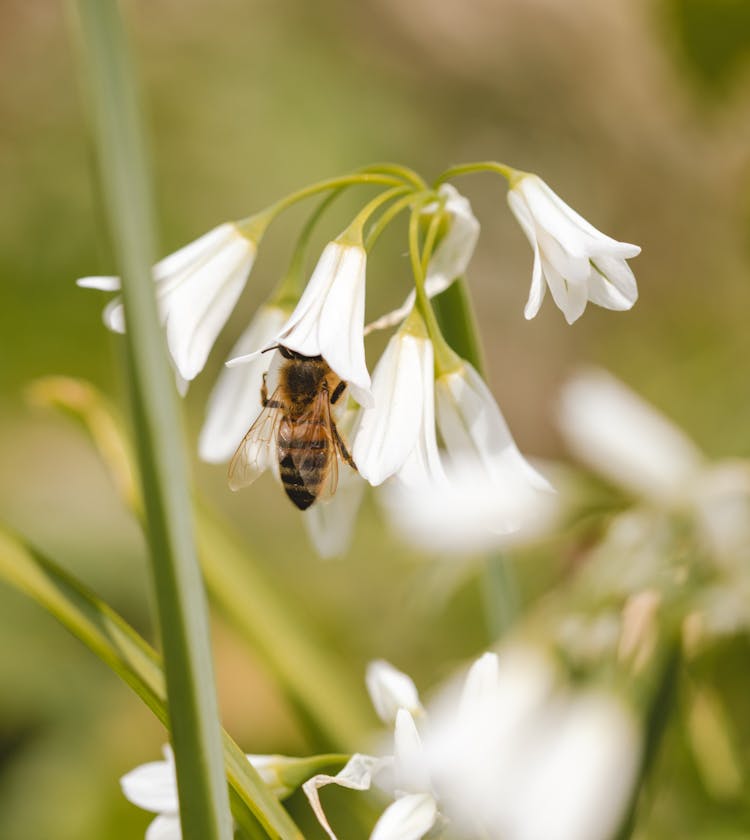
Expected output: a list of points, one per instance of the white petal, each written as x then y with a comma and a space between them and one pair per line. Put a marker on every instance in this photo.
330, 523
356, 775
581, 765
391, 690
104, 284
113, 315
619, 435
481, 684
408, 818
153, 787
470, 422
423, 466
409, 760
191, 255
388, 432
196, 309
164, 828
612, 284
235, 400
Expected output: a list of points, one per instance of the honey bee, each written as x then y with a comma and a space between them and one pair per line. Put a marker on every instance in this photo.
295, 433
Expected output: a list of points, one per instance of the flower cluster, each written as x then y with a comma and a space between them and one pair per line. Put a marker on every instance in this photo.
427, 419
490, 748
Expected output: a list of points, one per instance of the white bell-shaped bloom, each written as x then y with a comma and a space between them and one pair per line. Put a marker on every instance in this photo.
451, 257
391, 690
329, 318
397, 434
197, 288
235, 401
573, 258
619, 435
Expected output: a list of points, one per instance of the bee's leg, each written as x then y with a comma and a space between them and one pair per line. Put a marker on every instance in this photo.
264, 391
337, 392
344, 452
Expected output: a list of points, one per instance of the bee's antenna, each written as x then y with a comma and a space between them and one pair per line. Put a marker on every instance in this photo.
274, 347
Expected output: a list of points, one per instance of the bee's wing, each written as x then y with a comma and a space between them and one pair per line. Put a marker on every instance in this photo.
307, 457
259, 449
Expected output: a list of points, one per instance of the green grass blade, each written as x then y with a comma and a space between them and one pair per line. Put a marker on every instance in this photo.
131, 658
193, 710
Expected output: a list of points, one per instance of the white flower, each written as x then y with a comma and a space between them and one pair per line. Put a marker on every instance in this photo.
153, 787
328, 320
450, 258
619, 435
235, 400
517, 755
622, 437
573, 258
197, 288
397, 435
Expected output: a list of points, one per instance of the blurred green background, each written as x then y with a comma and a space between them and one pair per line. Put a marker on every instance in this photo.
636, 111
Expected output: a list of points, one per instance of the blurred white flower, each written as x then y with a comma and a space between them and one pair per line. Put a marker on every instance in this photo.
514, 754
397, 434
330, 522
153, 787
328, 320
451, 257
235, 399
619, 435
494, 747
573, 258
197, 288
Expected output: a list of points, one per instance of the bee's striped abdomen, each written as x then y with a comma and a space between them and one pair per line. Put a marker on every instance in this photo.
305, 461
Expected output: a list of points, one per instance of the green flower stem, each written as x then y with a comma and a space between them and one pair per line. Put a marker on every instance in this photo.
354, 234
388, 215
500, 596
508, 172
183, 622
108, 636
445, 359
312, 675
254, 226
401, 171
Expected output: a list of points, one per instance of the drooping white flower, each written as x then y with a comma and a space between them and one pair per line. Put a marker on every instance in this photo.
397, 434
573, 258
622, 437
451, 257
197, 288
328, 320
235, 401
153, 787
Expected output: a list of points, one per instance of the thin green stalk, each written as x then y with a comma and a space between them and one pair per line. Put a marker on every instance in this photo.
377, 228
193, 711
508, 172
401, 171
254, 226
110, 638
445, 359
500, 597
354, 234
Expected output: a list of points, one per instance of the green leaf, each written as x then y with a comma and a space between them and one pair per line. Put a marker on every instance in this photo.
105, 633
181, 602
